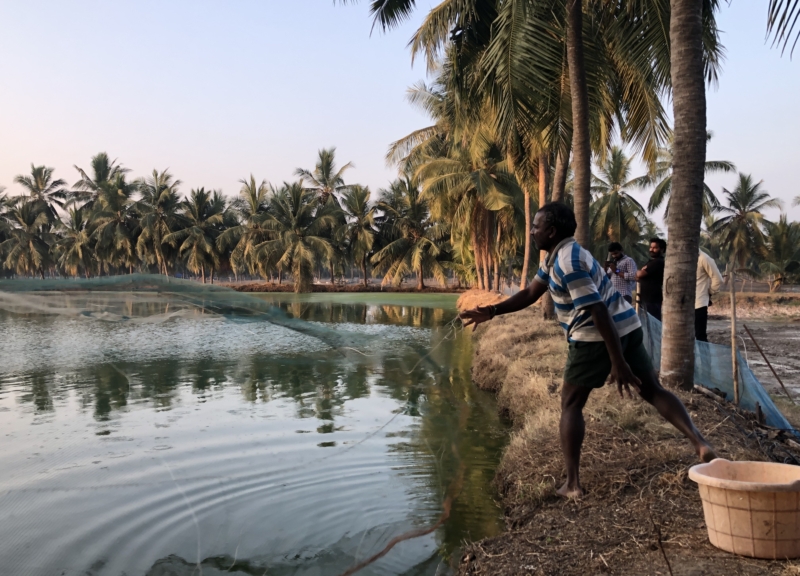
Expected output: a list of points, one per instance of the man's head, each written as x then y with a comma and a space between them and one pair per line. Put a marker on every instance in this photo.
553, 222
657, 248
615, 249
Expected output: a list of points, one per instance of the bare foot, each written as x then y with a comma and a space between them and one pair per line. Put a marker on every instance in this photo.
706, 453
570, 492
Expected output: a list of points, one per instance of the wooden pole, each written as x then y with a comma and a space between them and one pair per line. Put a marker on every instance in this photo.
734, 348
764, 356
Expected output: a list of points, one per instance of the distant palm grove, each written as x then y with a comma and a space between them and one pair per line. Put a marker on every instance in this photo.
455, 218
529, 102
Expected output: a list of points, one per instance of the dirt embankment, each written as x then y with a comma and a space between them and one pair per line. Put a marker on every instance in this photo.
641, 510
754, 305
271, 287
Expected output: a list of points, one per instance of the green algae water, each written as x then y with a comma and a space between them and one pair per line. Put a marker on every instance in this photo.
209, 443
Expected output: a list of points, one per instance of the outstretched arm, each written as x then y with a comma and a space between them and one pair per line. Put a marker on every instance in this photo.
621, 373
518, 301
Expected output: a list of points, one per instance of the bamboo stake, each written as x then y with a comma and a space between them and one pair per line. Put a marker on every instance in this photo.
734, 349
764, 356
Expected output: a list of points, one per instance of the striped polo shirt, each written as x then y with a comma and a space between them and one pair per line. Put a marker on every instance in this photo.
576, 281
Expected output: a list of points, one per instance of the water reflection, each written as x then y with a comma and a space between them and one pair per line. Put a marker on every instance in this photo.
301, 462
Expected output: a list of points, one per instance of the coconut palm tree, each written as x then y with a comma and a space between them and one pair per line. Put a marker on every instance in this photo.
204, 213
690, 22
783, 15
360, 227
299, 233
466, 187
782, 254
40, 186
159, 216
251, 209
741, 229
616, 215
325, 180
661, 178
417, 242
27, 249
114, 223
74, 247
103, 172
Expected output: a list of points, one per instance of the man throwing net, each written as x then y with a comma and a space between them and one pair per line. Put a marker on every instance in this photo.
604, 335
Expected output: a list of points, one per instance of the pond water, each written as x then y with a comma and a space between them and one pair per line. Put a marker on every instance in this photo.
203, 445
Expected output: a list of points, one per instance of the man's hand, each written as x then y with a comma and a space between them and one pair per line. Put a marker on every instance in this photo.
476, 316
623, 376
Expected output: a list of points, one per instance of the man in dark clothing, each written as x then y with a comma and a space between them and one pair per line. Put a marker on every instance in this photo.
651, 279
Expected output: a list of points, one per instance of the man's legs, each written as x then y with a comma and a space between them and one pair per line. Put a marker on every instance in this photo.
701, 324
673, 410
572, 429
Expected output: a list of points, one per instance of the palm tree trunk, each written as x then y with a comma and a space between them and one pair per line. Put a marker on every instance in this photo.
683, 226
496, 260
485, 250
333, 273
211, 275
364, 269
476, 257
203, 270
560, 176
487, 280
280, 277
548, 307
420, 279
581, 146
526, 257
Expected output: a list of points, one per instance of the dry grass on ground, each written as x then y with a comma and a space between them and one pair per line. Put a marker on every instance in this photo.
634, 468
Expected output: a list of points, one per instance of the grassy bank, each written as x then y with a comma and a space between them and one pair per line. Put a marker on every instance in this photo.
640, 507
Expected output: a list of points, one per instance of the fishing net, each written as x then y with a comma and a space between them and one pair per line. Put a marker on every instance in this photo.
145, 298
713, 368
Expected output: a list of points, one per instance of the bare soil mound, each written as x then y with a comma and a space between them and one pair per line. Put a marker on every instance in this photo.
474, 298
641, 514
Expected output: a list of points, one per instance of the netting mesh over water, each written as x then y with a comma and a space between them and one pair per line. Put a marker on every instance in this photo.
146, 302
713, 368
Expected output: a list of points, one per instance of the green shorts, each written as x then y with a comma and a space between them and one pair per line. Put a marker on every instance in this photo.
588, 363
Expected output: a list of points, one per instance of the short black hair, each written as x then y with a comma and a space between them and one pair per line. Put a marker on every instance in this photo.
661, 243
615, 247
561, 217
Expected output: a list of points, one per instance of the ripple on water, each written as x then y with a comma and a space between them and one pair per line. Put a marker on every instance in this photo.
307, 460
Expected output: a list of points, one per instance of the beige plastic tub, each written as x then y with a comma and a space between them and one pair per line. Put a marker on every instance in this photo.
751, 508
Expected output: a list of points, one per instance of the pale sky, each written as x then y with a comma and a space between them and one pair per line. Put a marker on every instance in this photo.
216, 90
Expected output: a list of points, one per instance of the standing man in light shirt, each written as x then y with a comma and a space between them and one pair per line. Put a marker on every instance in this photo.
621, 269
709, 281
